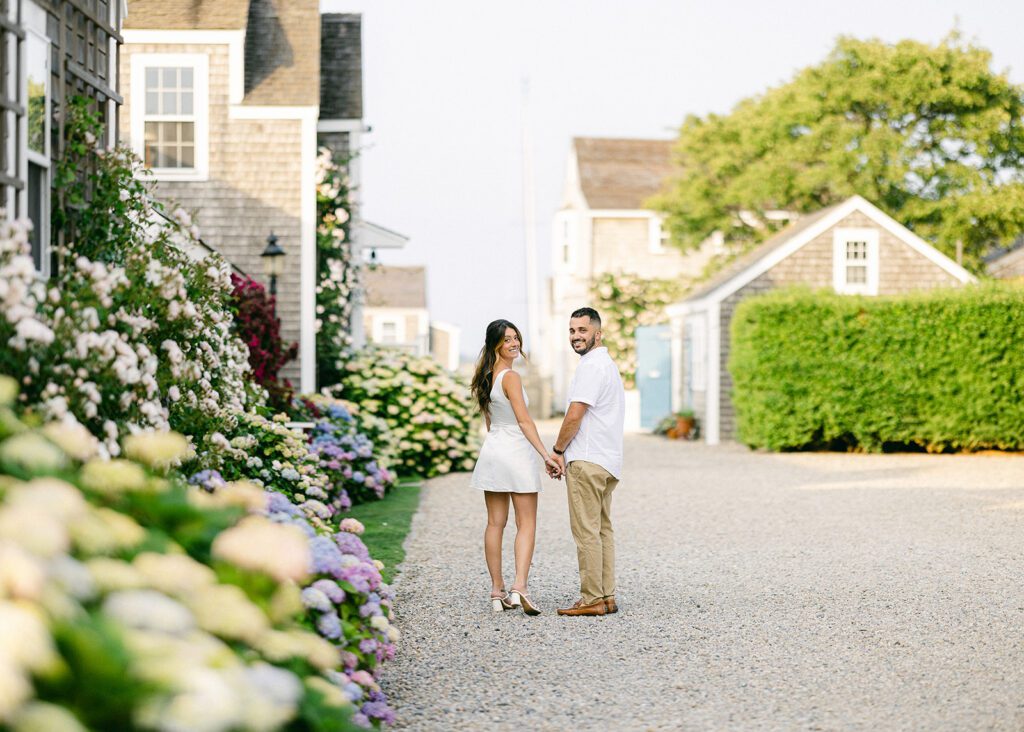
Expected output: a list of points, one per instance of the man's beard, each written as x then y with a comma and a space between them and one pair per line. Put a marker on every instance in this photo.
588, 345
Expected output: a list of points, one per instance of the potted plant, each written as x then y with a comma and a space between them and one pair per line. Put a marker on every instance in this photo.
681, 425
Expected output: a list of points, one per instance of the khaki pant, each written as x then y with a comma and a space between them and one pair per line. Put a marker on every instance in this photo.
589, 487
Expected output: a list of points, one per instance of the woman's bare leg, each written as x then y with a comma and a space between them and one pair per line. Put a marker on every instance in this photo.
497, 517
526, 536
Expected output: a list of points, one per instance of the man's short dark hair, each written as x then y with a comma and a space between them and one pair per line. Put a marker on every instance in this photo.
588, 313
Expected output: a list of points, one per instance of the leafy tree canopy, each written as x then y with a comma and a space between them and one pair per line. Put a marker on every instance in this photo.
929, 133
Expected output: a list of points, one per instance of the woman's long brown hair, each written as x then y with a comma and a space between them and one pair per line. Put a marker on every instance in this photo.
483, 377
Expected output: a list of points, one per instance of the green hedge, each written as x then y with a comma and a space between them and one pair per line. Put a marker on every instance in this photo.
938, 371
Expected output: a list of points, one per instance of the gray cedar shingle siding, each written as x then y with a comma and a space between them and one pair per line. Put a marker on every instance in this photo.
282, 53
341, 66
247, 195
187, 14
901, 270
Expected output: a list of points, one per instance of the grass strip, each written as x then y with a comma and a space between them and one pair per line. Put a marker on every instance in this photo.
387, 524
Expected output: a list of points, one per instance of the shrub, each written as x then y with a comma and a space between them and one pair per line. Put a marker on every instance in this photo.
427, 409
258, 326
935, 371
130, 601
133, 332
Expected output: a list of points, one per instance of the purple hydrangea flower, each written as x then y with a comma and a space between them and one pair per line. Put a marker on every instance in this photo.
367, 645
280, 503
349, 660
349, 543
326, 556
329, 625
315, 599
330, 588
354, 691
379, 711
361, 720
358, 476
208, 480
368, 609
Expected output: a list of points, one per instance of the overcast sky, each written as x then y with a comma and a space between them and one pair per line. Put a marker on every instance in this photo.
443, 92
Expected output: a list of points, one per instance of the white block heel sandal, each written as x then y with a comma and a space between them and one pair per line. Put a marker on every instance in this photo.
500, 604
521, 599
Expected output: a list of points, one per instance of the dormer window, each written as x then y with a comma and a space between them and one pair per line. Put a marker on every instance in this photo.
169, 114
855, 261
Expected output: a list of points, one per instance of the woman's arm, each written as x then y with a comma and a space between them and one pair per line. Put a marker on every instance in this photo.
512, 385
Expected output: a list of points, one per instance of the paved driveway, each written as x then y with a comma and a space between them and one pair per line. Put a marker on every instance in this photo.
758, 592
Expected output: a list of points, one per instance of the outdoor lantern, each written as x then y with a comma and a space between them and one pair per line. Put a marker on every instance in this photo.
273, 261
373, 259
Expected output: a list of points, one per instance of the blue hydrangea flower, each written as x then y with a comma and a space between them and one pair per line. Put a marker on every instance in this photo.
329, 625
314, 599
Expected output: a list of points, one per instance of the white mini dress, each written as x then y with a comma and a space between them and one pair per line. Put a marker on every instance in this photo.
508, 463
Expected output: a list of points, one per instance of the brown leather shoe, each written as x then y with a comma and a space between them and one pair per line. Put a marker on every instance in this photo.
610, 606
595, 608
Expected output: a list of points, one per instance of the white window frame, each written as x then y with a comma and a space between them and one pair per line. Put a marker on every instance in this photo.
378, 329
840, 238
200, 65
35, 30
566, 233
656, 235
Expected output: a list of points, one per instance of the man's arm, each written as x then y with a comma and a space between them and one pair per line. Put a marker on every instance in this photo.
570, 425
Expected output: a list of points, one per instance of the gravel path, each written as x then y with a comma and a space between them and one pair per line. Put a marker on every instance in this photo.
757, 592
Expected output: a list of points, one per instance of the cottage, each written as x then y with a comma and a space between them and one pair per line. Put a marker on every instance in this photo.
228, 102
1008, 264
602, 227
852, 247
50, 51
396, 315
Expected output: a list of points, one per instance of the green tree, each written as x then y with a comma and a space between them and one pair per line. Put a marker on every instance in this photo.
929, 133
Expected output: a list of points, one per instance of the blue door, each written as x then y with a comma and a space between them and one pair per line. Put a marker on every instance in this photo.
654, 373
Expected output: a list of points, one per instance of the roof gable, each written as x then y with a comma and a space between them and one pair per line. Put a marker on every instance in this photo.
396, 287
792, 238
621, 173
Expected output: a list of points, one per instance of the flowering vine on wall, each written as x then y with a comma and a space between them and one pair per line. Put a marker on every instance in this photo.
337, 267
626, 301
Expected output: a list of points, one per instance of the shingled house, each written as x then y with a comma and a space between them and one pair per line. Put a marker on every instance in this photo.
227, 101
396, 315
50, 51
852, 247
603, 227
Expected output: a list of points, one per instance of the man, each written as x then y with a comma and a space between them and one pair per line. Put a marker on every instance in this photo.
590, 442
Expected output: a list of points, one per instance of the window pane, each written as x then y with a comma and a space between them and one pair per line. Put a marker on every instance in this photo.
170, 103
187, 156
856, 250
186, 103
187, 131
36, 52
857, 275
169, 133
152, 78
151, 131
37, 191
186, 77
152, 103
151, 156
170, 77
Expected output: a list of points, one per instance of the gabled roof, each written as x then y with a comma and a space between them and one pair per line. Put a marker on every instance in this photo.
341, 66
282, 41
395, 287
621, 173
793, 237
759, 252
187, 14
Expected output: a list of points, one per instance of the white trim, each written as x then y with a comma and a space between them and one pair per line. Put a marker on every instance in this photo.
620, 213
377, 328
712, 412
233, 39
677, 326
841, 236
307, 258
200, 63
340, 125
854, 203
305, 113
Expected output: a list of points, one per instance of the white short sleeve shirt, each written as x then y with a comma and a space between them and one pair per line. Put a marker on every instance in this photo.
598, 385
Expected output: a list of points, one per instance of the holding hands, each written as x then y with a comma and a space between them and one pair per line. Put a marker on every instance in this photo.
555, 465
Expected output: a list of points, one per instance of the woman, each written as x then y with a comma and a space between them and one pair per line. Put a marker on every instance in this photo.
508, 465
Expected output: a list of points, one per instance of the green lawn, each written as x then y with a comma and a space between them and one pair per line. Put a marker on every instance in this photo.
387, 524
